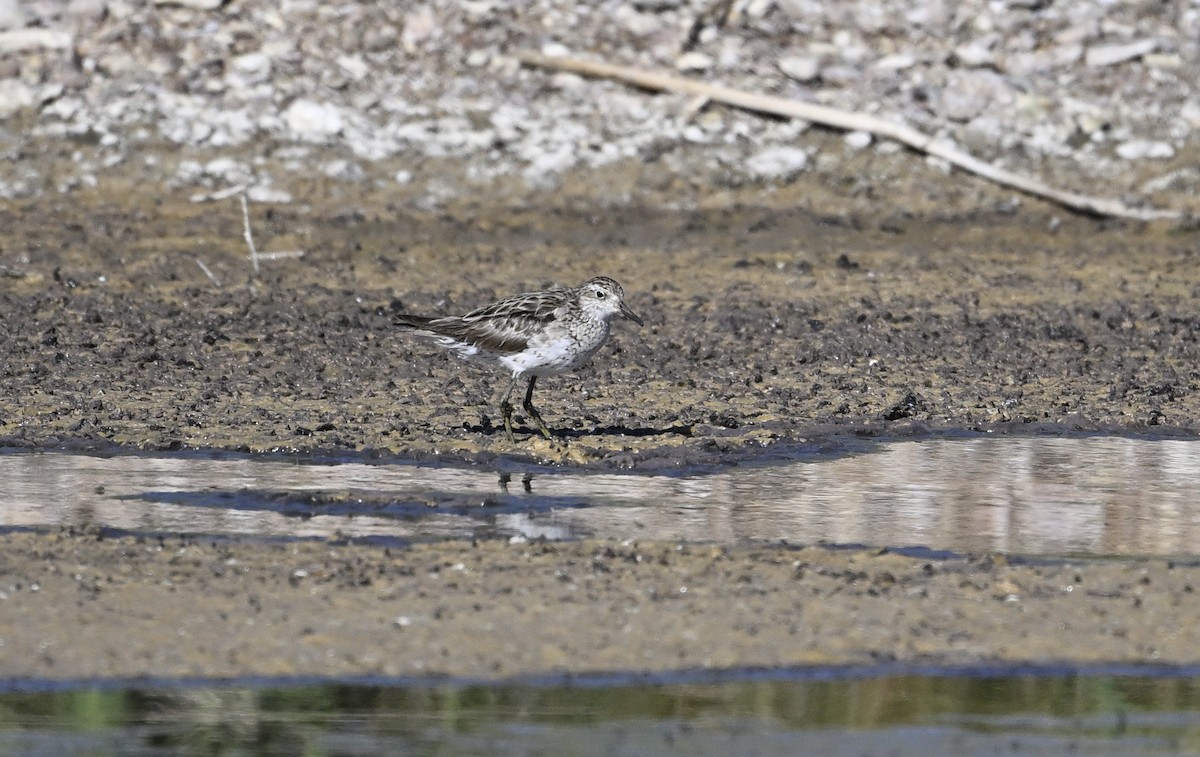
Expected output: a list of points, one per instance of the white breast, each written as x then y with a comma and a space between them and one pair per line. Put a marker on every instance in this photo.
552, 355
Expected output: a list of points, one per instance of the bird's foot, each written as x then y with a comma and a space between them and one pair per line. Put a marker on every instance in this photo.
538, 421
507, 411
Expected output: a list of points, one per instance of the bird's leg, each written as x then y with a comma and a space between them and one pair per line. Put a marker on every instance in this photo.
506, 409
533, 413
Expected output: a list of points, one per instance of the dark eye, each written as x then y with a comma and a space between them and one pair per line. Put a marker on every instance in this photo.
599, 294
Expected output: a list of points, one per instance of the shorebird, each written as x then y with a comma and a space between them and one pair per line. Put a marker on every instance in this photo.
533, 334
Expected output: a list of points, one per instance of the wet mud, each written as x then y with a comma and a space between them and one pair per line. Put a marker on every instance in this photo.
766, 326
762, 326
98, 607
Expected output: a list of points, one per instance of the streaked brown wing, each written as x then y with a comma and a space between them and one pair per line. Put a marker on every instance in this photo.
503, 327
498, 335
536, 306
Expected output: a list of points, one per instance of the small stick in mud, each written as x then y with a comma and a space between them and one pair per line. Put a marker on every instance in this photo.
850, 121
248, 235
208, 273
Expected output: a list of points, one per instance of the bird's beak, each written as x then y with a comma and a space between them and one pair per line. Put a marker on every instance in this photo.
625, 311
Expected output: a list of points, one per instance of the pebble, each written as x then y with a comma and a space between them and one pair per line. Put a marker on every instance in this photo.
480, 9
420, 26
1163, 60
977, 53
802, 68
87, 12
858, 140
543, 171
1190, 113
250, 68
203, 5
694, 61
116, 64
777, 163
312, 120
15, 96
895, 62
757, 9
1138, 149
967, 94
637, 23
343, 170
565, 81
354, 66
64, 108
25, 40
1109, 55
657, 5
712, 121
804, 10
11, 15
227, 170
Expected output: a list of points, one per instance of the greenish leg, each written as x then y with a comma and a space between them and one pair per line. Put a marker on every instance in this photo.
533, 413
506, 409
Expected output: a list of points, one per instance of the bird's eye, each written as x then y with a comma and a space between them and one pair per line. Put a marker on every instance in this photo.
599, 294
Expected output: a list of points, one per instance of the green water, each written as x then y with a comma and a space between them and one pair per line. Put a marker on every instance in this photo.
886, 715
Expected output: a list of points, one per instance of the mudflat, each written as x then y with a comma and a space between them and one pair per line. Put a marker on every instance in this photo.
765, 326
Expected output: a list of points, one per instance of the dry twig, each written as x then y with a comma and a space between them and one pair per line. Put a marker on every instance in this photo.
248, 235
208, 273
850, 121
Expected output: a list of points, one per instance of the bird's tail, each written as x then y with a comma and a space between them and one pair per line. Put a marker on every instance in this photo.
412, 321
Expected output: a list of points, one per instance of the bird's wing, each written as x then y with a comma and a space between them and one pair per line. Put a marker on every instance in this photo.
503, 327
536, 306
498, 335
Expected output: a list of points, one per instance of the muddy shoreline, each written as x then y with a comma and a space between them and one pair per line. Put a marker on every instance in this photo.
763, 327
137, 607
766, 327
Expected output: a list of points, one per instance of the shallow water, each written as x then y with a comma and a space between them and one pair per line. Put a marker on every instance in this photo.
1024, 495
954, 712
1021, 495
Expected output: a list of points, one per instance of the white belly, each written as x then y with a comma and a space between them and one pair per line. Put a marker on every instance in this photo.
550, 357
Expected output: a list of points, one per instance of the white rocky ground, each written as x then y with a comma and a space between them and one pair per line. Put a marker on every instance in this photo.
206, 96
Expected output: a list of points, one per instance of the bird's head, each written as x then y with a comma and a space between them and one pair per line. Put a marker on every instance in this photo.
603, 298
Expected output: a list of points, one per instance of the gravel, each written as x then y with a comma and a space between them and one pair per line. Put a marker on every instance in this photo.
1095, 93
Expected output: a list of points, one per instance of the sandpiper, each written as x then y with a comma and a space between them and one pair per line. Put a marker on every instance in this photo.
532, 334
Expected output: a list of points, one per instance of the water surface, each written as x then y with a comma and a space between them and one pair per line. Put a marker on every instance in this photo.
1022, 495
903, 714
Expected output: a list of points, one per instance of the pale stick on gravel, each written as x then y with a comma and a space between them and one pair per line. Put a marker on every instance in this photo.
850, 121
